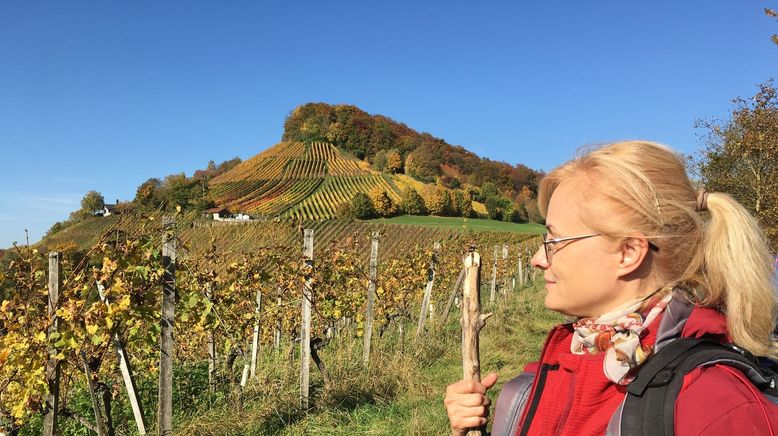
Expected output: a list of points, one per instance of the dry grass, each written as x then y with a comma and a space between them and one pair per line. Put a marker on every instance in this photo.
400, 393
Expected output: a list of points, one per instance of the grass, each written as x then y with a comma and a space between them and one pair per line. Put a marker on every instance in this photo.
474, 224
400, 393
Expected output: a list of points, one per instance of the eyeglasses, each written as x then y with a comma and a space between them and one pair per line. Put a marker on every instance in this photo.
548, 244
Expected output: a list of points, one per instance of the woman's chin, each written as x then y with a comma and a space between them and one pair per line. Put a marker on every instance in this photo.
551, 304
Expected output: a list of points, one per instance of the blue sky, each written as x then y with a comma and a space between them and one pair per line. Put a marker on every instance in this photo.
104, 95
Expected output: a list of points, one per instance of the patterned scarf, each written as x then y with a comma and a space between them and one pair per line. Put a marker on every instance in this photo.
618, 334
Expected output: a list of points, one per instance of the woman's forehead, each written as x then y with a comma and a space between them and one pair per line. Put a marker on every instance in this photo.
565, 209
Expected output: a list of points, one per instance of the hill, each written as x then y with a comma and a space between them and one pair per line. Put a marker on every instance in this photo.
293, 179
329, 155
421, 155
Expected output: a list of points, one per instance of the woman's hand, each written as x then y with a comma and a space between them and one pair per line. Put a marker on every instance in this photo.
467, 404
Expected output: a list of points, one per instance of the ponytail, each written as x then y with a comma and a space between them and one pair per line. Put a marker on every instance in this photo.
737, 274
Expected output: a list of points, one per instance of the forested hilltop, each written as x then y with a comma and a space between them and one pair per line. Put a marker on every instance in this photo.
391, 145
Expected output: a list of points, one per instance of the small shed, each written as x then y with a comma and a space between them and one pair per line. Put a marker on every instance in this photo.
217, 213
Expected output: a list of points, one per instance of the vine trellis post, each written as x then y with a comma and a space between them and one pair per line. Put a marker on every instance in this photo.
305, 325
51, 405
211, 344
126, 370
494, 275
451, 296
255, 338
165, 407
427, 290
371, 289
504, 290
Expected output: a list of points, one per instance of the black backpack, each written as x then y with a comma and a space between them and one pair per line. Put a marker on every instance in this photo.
649, 407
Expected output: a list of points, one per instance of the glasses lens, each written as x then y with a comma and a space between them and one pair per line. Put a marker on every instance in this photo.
545, 249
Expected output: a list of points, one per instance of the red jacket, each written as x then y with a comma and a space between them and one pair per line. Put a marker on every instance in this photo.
577, 399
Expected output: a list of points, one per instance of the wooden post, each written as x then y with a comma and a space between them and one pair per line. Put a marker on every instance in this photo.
90, 383
51, 406
472, 321
211, 344
427, 291
504, 289
305, 325
165, 409
126, 370
521, 273
494, 276
255, 339
244, 376
368, 332
277, 330
451, 296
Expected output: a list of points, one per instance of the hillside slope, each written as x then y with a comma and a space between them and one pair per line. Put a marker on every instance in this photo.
294, 179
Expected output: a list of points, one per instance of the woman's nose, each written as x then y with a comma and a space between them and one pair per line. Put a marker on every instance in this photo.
539, 259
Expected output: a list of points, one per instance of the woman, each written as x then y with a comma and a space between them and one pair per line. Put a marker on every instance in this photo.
639, 258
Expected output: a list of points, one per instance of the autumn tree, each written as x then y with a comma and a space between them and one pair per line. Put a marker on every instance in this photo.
772, 13
382, 202
92, 202
740, 156
438, 201
412, 203
462, 204
394, 162
147, 196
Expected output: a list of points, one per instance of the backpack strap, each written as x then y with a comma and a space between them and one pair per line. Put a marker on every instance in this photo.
649, 406
510, 404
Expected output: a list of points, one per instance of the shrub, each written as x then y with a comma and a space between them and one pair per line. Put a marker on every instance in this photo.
363, 206
412, 203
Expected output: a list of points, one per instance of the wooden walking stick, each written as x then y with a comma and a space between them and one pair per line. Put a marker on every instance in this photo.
472, 322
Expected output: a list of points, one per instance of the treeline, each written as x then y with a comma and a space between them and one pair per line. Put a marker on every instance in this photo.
440, 201
176, 191
396, 148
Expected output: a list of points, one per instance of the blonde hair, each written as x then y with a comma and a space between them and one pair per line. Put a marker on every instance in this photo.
723, 258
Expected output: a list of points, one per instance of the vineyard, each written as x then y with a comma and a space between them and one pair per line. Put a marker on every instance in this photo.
234, 305
306, 181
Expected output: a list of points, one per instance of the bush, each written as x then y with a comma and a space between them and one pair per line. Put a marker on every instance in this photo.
412, 203
346, 212
363, 207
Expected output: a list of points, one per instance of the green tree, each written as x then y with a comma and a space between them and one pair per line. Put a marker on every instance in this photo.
188, 193
462, 204
497, 206
92, 202
379, 160
346, 212
363, 207
488, 189
412, 203
740, 156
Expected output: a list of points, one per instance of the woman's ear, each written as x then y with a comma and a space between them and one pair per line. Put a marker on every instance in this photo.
633, 252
